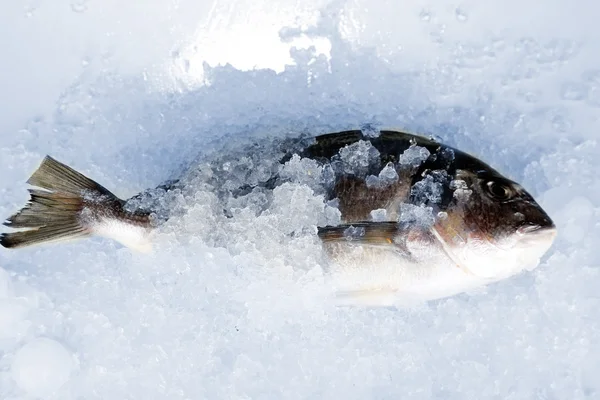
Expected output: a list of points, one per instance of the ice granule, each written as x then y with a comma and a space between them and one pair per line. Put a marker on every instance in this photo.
388, 173
461, 189
357, 158
411, 214
303, 171
429, 189
370, 130
328, 176
387, 176
155, 200
353, 232
413, 156
379, 215
297, 207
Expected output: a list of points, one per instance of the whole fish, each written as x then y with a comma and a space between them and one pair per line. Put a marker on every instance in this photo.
418, 220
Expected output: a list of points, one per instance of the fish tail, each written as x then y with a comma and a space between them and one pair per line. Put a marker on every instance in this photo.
72, 206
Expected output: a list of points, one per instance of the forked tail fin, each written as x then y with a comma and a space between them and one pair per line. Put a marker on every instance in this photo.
71, 206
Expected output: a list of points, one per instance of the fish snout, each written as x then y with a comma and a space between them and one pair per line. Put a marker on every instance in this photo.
547, 227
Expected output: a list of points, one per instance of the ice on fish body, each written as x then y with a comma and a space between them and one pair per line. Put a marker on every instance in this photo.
429, 189
299, 208
460, 189
379, 215
328, 177
416, 215
387, 176
370, 130
159, 201
357, 158
354, 232
304, 171
413, 156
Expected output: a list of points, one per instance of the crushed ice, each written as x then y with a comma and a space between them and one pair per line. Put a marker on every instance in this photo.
357, 158
413, 156
386, 177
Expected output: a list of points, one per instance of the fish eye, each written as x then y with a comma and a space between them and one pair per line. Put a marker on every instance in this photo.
499, 191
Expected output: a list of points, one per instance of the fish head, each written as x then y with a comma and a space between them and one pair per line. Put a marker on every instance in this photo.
492, 227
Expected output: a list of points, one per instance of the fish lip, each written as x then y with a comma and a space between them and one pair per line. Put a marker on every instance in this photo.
537, 229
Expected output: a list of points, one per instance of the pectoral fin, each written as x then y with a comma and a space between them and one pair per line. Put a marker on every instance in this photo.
361, 232
387, 234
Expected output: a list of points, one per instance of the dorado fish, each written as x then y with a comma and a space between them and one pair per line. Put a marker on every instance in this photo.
417, 219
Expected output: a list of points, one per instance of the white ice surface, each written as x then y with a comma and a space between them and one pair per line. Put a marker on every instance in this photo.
130, 92
41, 367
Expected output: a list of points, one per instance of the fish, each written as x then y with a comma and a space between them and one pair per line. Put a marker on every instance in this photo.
418, 220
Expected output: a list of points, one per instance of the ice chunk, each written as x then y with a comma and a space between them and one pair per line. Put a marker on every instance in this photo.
370, 130
304, 171
236, 167
358, 158
353, 232
429, 190
42, 366
461, 189
413, 156
156, 200
379, 215
328, 176
388, 173
372, 181
298, 208
411, 214
387, 176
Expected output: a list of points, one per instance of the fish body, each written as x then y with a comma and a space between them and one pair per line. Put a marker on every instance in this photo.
418, 220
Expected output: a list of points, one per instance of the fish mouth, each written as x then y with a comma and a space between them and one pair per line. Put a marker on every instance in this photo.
534, 229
